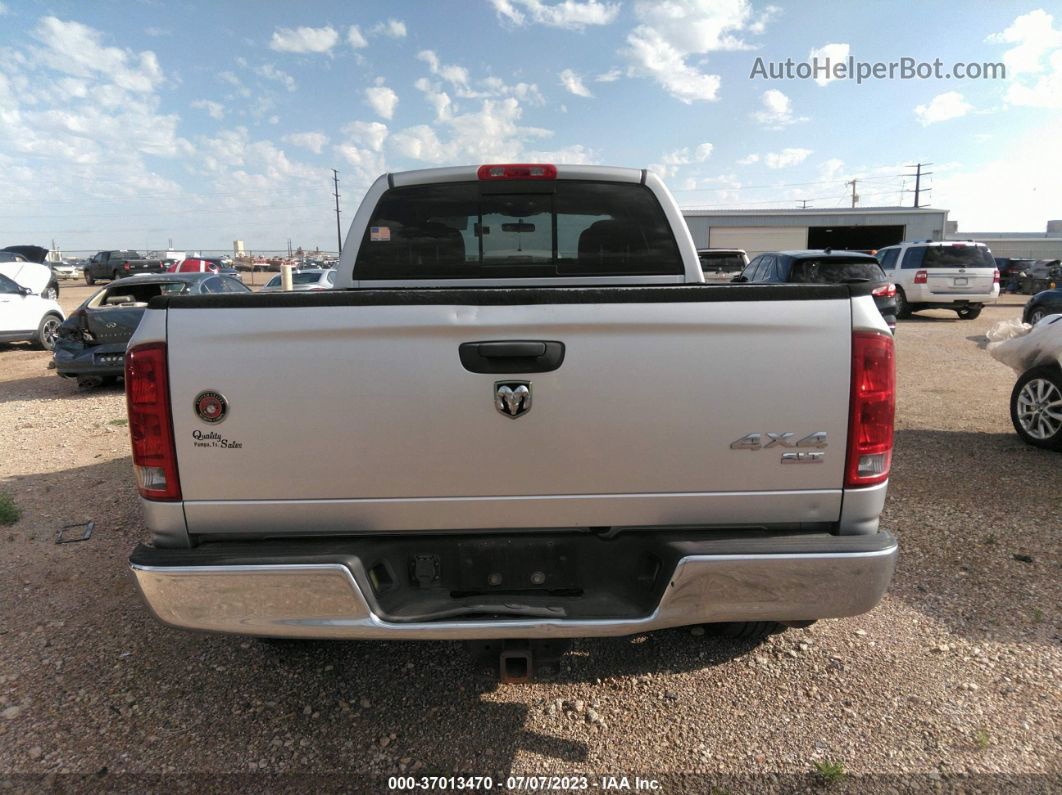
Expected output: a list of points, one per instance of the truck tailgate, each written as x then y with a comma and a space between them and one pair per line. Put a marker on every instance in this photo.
349, 418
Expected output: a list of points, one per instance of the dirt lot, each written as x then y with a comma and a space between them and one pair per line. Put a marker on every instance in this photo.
953, 678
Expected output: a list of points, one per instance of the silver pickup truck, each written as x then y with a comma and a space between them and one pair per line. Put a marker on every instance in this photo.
521, 414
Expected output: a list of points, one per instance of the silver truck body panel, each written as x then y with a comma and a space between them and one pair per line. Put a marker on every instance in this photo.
326, 600
643, 409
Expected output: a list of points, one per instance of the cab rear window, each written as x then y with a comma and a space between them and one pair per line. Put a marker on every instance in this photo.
835, 271
566, 228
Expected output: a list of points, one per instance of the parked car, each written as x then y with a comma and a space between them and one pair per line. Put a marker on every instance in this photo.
1036, 404
549, 430
722, 260
205, 265
118, 264
949, 274
1043, 274
25, 314
825, 266
66, 270
302, 281
91, 343
32, 254
1044, 303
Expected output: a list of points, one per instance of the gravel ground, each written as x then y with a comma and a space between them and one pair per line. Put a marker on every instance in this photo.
951, 681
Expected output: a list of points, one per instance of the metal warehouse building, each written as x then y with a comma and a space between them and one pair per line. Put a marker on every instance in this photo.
1020, 245
859, 228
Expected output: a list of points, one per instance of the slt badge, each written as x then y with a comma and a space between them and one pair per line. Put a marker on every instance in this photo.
512, 399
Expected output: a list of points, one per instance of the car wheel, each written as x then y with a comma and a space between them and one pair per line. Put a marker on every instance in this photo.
1036, 316
47, 331
744, 630
51, 292
116, 276
903, 309
88, 279
1036, 407
969, 312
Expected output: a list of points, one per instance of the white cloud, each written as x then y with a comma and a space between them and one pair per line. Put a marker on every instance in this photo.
3, 9
576, 154
834, 53
79, 51
1034, 63
394, 28
451, 73
233, 80
156, 32
569, 14
777, 111
215, 109
1033, 36
669, 164
382, 100
355, 38
671, 33
786, 158
748, 160
1026, 173
370, 134
610, 76
949, 105
270, 72
491, 133
1046, 92
304, 39
571, 81
313, 141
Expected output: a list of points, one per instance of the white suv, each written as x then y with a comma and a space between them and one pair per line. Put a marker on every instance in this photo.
948, 274
26, 315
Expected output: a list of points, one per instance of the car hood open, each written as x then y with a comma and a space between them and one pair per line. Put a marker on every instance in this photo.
28, 274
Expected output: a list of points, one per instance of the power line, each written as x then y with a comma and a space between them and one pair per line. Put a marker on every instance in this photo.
918, 180
339, 233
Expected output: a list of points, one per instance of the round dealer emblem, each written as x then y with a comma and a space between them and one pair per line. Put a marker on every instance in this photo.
211, 406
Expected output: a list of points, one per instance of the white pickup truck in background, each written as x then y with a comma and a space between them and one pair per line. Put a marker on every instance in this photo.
521, 415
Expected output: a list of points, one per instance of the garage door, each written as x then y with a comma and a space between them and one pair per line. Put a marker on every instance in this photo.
758, 239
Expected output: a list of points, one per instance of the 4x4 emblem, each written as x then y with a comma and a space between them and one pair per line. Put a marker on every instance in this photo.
512, 398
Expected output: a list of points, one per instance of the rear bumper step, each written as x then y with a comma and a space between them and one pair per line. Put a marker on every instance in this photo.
320, 591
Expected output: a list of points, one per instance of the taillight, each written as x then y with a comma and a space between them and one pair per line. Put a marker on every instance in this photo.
886, 291
518, 171
147, 396
871, 410
995, 276
921, 277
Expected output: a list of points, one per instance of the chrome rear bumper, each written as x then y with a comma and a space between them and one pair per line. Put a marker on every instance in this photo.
325, 600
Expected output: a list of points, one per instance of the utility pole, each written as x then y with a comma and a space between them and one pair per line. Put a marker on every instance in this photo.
803, 203
918, 180
855, 196
339, 233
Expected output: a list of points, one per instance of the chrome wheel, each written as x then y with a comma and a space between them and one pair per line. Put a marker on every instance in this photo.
1036, 317
1039, 408
49, 332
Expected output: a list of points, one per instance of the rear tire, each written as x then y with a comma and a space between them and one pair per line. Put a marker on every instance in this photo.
89, 280
1036, 316
1036, 407
47, 331
51, 292
745, 630
116, 276
903, 309
969, 312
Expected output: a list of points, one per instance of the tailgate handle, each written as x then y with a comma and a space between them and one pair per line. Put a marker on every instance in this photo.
511, 356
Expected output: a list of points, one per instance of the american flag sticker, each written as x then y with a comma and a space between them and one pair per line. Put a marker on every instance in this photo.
379, 234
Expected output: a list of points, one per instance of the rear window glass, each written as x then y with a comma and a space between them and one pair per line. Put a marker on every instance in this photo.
949, 257
305, 278
458, 231
712, 261
834, 271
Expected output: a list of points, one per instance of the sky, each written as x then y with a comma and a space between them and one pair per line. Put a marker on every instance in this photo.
131, 124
